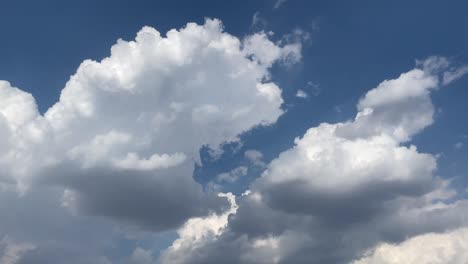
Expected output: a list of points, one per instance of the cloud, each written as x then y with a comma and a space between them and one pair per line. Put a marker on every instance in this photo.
301, 94
255, 157
346, 187
12, 252
450, 247
38, 230
123, 139
455, 74
227, 178
196, 232
258, 23
279, 3
458, 145
266, 52
233, 175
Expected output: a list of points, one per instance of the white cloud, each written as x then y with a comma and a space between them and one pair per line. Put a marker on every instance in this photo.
458, 145
134, 122
301, 94
324, 162
196, 232
398, 108
279, 3
266, 52
434, 248
455, 74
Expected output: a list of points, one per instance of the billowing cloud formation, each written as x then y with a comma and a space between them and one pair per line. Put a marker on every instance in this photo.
345, 187
126, 131
446, 248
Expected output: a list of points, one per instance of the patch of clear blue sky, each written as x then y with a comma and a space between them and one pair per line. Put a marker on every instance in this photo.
354, 45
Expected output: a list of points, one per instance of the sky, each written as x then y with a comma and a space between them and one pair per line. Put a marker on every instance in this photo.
264, 131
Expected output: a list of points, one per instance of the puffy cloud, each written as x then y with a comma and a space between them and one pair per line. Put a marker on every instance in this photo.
266, 52
196, 232
434, 248
335, 166
301, 94
326, 174
345, 187
127, 130
398, 108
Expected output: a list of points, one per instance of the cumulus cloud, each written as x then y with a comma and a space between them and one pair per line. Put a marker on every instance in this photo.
301, 94
196, 232
345, 187
266, 52
124, 136
434, 248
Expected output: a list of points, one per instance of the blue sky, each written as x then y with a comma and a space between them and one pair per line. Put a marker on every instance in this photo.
347, 49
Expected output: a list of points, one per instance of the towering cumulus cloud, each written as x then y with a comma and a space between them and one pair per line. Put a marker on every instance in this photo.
345, 187
125, 134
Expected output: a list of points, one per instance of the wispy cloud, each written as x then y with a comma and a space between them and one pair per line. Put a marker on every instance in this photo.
279, 3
